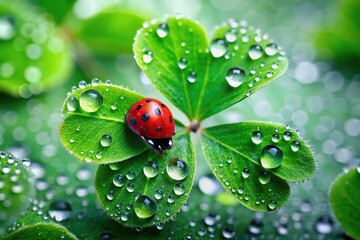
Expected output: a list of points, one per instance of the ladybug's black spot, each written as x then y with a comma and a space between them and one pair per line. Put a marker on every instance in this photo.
170, 119
138, 107
133, 121
148, 100
162, 105
157, 111
145, 117
159, 129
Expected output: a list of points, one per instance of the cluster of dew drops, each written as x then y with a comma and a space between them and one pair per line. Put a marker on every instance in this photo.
145, 206
226, 47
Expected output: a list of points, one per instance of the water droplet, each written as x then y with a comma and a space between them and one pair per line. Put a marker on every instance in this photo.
177, 169
256, 226
211, 219
110, 195
114, 106
287, 136
60, 210
82, 84
95, 81
324, 225
218, 48
240, 190
106, 140
245, 173
256, 137
246, 197
26, 162
162, 30
147, 56
271, 49
170, 199
125, 216
271, 157
182, 63
191, 77
235, 76
91, 100
158, 194
264, 177
17, 188
114, 166
72, 103
151, 169
255, 52
231, 35
228, 233
275, 137
105, 235
144, 206
269, 74
209, 185
119, 180
179, 189
275, 65
6, 27
130, 175
272, 204
130, 187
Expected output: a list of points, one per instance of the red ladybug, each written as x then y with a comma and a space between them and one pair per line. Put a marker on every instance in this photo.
153, 122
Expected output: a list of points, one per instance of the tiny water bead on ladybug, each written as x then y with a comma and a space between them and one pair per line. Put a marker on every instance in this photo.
153, 122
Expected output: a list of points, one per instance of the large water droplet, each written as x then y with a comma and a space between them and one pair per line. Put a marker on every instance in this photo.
218, 48
264, 177
295, 146
72, 103
235, 76
179, 189
119, 180
287, 136
158, 194
105, 140
151, 169
191, 77
182, 63
272, 204
144, 206
91, 100
231, 35
256, 137
177, 169
162, 30
255, 52
245, 173
271, 157
271, 49
147, 56
60, 210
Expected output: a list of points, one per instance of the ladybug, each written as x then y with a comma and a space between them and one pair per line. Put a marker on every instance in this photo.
153, 122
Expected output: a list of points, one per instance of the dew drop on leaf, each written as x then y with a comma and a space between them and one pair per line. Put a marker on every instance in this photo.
272, 204
147, 56
264, 177
269, 74
130, 187
235, 76
72, 103
162, 30
275, 137
91, 100
60, 210
295, 146
26, 162
231, 35
151, 169
170, 199
82, 84
256, 226
158, 194
130, 175
95, 81
255, 52
106, 140
191, 77
287, 136
228, 233
245, 173
179, 189
182, 63
119, 180
218, 48
324, 225
240, 190
271, 49
271, 156
177, 169
6, 27
144, 206
211, 219
256, 137
125, 216
110, 196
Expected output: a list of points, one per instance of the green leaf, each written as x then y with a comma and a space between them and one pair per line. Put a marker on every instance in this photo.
176, 56
59, 11
34, 55
229, 149
110, 32
345, 199
101, 136
16, 188
41, 231
121, 187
